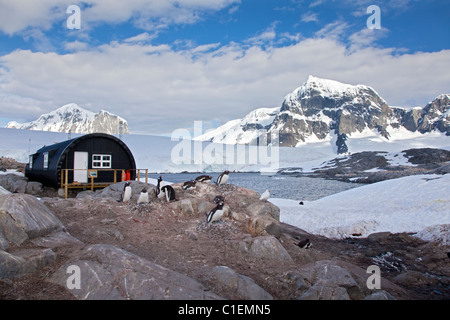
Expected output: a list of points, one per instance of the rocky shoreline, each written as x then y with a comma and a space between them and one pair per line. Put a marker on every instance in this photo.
371, 166
160, 250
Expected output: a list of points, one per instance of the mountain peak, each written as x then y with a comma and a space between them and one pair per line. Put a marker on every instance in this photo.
329, 110
73, 118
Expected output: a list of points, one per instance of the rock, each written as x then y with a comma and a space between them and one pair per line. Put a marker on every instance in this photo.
268, 247
328, 276
113, 273
186, 207
380, 295
19, 186
24, 217
414, 278
3, 191
263, 226
34, 187
57, 239
4, 244
24, 261
379, 236
238, 216
318, 292
238, 285
96, 282
264, 208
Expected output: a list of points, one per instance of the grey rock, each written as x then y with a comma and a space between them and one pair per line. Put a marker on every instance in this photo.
260, 208
380, 295
34, 187
268, 247
186, 207
113, 273
318, 292
25, 217
412, 278
239, 285
24, 261
326, 275
57, 239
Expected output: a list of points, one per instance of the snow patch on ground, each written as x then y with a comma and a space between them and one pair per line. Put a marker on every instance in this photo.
415, 204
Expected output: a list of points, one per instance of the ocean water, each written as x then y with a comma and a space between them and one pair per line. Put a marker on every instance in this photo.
280, 186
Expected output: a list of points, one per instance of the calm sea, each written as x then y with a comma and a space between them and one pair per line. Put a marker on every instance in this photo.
280, 186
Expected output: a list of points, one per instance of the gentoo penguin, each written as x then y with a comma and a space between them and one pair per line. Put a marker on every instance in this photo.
158, 186
143, 197
265, 195
223, 178
169, 193
218, 199
126, 192
216, 213
305, 244
189, 185
204, 178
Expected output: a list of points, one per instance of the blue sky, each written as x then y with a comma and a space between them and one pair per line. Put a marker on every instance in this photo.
164, 64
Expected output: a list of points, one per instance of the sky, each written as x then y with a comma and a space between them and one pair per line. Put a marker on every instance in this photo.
162, 65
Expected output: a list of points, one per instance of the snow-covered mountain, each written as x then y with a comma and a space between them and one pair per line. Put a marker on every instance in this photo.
322, 110
242, 131
72, 118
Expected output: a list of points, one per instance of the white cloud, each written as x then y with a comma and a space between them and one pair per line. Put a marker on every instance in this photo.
158, 89
309, 17
19, 15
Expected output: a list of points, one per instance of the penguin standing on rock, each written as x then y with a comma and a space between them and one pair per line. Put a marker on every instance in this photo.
158, 186
216, 213
143, 197
126, 192
169, 192
223, 178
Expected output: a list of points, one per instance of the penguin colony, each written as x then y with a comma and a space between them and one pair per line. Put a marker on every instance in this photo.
164, 191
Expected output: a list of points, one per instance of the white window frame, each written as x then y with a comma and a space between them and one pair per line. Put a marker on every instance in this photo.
45, 165
101, 161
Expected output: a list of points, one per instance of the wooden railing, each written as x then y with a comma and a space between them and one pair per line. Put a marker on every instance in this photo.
118, 174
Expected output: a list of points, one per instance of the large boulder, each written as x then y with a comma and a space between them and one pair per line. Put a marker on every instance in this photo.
24, 217
24, 261
329, 282
17, 183
108, 272
267, 247
238, 286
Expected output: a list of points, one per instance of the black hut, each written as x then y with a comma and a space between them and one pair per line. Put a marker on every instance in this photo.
95, 154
